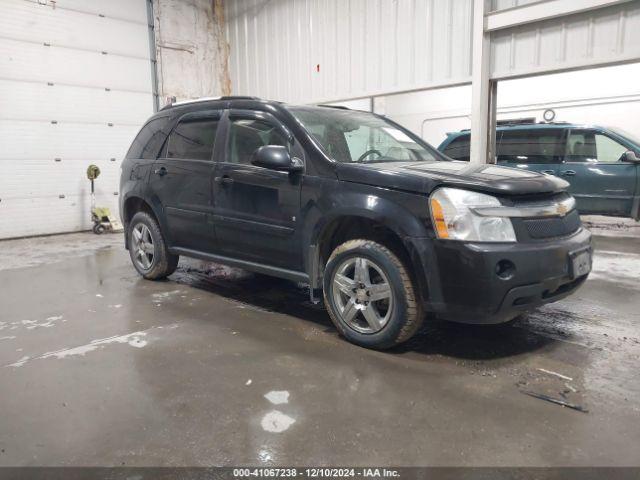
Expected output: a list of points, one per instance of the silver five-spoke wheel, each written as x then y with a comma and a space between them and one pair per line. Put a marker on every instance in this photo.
143, 246
362, 294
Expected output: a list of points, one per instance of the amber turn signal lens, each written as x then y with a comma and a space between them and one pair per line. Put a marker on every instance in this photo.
438, 218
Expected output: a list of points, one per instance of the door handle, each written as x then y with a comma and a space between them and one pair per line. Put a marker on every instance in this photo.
568, 173
549, 172
162, 171
224, 180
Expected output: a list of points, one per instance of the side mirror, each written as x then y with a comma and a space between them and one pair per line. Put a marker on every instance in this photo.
276, 157
630, 156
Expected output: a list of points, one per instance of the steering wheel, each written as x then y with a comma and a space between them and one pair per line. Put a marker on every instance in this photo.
367, 153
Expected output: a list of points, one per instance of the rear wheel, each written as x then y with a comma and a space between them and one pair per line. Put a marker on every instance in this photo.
370, 296
148, 250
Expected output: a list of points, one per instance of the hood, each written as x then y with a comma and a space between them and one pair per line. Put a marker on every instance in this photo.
424, 177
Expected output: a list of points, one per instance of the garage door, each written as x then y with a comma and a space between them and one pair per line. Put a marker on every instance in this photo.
75, 87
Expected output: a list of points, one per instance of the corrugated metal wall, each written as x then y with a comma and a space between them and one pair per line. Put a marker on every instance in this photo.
316, 51
321, 50
504, 4
598, 37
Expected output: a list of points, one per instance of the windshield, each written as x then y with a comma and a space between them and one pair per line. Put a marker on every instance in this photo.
359, 137
626, 135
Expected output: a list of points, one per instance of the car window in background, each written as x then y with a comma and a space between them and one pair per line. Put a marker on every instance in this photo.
193, 140
350, 136
586, 146
626, 135
247, 135
608, 150
459, 148
531, 146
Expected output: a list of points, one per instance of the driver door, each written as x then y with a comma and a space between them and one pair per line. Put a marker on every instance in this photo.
257, 210
600, 182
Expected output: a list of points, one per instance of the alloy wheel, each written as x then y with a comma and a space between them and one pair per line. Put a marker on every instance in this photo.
142, 246
362, 294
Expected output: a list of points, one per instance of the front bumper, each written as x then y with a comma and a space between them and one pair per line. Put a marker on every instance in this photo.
463, 284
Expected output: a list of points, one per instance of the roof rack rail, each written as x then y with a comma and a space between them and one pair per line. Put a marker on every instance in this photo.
207, 99
340, 107
517, 121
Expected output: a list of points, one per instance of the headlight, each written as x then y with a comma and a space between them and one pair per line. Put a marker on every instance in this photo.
453, 217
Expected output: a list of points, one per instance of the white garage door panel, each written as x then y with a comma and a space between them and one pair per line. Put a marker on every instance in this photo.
132, 10
65, 103
47, 178
78, 100
29, 140
34, 23
40, 216
34, 62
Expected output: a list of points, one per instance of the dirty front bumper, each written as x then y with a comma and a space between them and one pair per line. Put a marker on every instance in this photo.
496, 282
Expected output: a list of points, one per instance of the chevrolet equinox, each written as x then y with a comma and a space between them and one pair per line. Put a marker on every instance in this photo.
353, 204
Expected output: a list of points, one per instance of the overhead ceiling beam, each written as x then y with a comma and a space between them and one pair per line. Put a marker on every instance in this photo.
545, 10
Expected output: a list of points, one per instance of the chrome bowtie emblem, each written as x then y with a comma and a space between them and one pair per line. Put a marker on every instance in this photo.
562, 209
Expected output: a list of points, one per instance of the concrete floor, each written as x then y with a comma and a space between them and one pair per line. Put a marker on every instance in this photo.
217, 366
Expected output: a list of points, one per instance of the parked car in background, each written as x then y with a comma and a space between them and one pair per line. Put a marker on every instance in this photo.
354, 205
601, 164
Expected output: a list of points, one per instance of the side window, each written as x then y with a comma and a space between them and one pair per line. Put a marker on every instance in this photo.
193, 139
531, 146
608, 150
149, 140
581, 147
247, 135
459, 148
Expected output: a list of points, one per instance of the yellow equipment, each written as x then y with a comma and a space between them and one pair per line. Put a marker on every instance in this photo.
100, 216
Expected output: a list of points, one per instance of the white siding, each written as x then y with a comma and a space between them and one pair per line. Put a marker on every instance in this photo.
598, 37
328, 50
376, 47
75, 87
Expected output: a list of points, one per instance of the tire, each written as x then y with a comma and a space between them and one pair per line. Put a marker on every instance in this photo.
394, 319
98, 229
151, 259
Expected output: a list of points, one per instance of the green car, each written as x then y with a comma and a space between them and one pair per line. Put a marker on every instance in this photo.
601, 164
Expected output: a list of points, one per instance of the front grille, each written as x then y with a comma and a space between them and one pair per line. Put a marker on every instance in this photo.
553, 227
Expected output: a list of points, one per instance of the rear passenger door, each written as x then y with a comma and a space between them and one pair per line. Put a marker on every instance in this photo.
538, 150
257, 209
601, 181
181, 181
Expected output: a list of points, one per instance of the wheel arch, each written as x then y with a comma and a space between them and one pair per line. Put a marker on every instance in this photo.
389, 226
131, 206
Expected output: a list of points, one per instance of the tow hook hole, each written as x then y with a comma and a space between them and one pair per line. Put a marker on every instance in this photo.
505, 269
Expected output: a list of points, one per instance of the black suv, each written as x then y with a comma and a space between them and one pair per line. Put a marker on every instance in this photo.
353, 204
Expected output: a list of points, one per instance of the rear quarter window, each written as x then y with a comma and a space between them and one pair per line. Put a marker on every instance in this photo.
458, 149
149, 140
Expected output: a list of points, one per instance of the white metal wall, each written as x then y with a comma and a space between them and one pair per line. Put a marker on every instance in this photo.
608, 96
376, 47
75, 86
597, 37
327, 50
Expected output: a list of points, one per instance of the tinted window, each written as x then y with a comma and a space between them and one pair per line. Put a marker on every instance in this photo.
585, 146
247, 135
148, 142
193, 139
531, 146
459, 148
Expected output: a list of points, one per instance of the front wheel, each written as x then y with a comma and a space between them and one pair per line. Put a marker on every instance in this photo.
370, 296
148, 250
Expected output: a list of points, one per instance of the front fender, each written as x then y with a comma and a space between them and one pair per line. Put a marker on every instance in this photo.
406, 214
